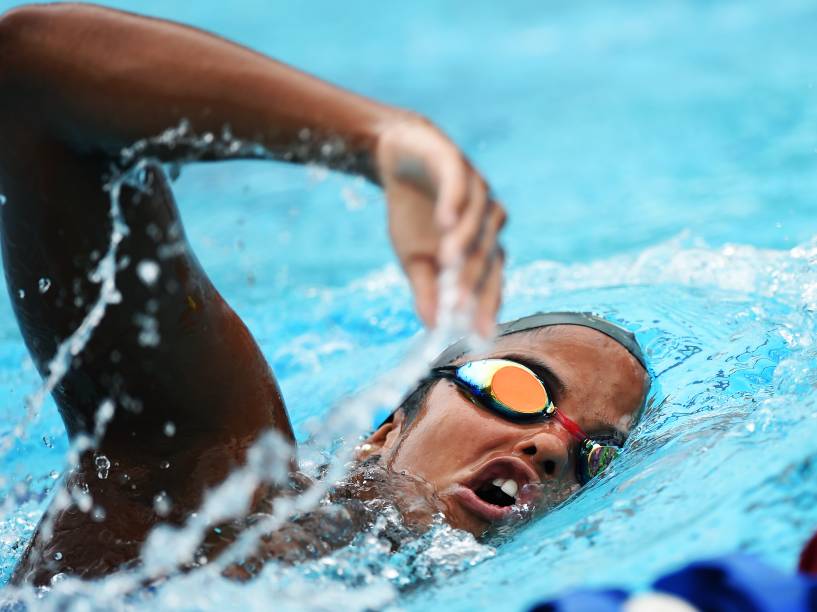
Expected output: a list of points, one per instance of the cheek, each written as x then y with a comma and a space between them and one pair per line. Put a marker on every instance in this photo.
446, 438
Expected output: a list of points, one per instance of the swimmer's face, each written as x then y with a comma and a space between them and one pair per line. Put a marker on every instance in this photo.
460, 448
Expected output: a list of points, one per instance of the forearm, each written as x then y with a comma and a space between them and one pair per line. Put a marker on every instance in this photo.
100, 80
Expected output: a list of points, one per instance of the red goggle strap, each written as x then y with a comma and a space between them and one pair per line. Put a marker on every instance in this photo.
572, 428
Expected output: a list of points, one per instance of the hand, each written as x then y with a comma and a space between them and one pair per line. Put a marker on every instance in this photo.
441, 214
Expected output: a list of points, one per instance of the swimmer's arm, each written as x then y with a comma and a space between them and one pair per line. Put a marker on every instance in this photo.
98, 80
104, 79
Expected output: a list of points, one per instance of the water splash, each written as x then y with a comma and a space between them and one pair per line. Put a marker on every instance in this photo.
740, 318
103, 274
265, 460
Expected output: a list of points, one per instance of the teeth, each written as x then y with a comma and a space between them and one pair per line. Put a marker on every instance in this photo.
509, 487
498, 482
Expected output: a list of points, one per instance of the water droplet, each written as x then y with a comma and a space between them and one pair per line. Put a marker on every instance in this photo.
44, 284
21, 293
352, 199
149, 333
98, 514
3, 199
161, 504
53, 474
103, 466
49, 443
148, 271
164, 465
105, 413
57, 556
82, 499
170, 429
390, 573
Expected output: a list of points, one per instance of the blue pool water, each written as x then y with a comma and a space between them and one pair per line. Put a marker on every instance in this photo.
659, 164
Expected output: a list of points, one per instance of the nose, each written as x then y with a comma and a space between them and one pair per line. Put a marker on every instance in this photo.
548, 452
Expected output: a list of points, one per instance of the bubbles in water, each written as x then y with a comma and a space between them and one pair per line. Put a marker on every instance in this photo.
57, 556
21, 293
164, 465
148, 271
170, 429
49, 443
44, 284
2, 199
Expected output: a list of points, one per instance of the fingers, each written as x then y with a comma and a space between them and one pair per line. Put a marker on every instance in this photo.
465, 233
472, 243
490, 295
453, 193
417, 163
423, 272
476, 264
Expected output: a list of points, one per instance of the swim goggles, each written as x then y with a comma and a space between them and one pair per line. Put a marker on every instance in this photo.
516, 393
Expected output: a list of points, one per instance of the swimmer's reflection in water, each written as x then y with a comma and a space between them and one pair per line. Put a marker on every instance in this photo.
78, 84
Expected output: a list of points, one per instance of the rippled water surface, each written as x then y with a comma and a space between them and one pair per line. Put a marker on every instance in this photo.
659, 163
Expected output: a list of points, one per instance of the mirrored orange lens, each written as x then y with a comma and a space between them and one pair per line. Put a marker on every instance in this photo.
519, 390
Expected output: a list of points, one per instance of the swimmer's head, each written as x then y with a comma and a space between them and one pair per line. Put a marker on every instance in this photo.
484, 466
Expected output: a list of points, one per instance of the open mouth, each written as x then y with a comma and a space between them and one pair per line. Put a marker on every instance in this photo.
499, 492
498, 489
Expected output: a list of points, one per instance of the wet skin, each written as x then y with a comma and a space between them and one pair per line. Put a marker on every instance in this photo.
456, 446
207, 376
77, 85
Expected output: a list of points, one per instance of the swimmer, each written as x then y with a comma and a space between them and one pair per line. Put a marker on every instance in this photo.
543, 409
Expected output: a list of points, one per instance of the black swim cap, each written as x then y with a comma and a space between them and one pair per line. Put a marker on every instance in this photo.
547, 319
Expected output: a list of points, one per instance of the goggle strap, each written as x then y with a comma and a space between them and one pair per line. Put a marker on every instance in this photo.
572, 428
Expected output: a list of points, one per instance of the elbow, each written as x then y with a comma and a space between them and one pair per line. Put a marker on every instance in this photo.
19, 29
14, 25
